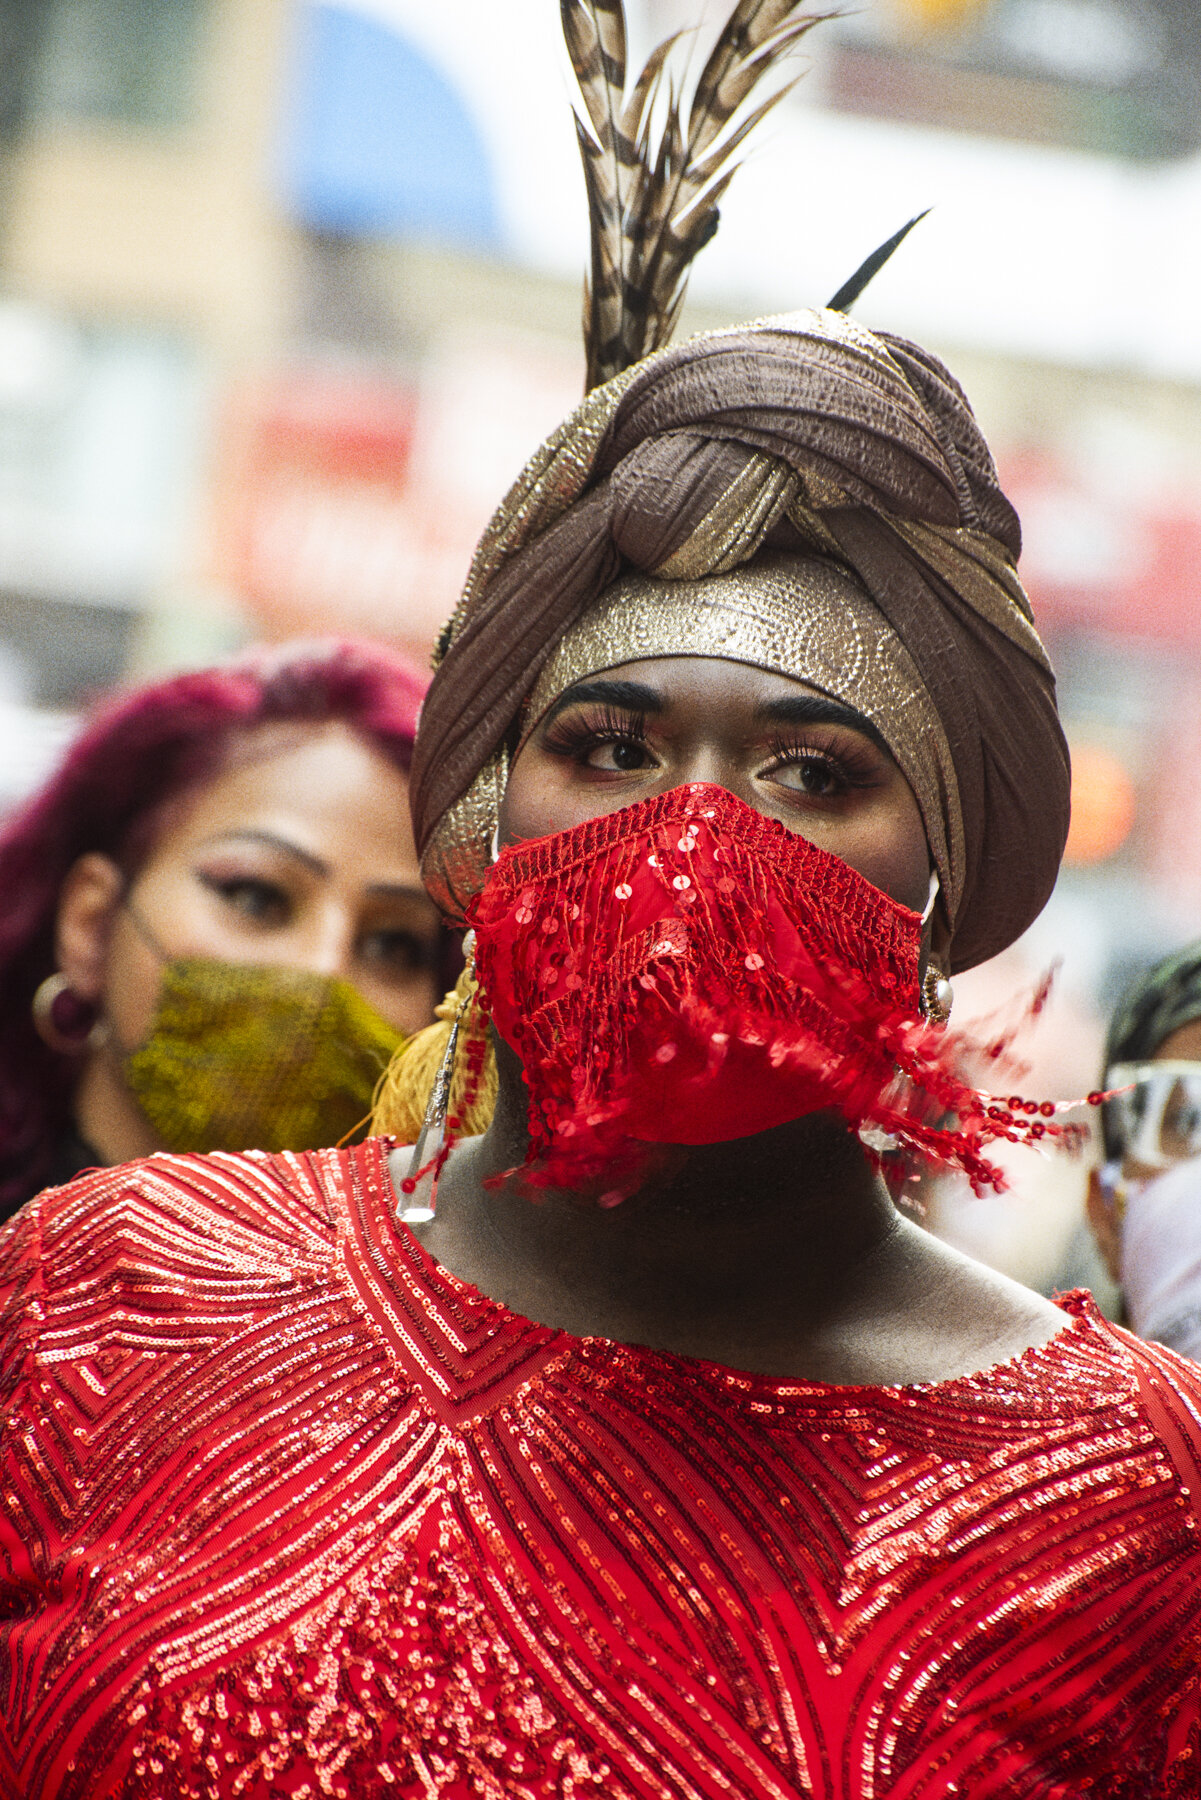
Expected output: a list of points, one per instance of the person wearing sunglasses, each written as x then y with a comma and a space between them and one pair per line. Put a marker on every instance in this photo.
1144, 1203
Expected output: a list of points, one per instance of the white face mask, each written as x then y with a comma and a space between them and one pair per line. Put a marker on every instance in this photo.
1161, 1257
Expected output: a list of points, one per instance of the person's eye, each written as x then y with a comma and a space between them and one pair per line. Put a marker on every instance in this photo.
261, 902
821, 772
601, 738
819, 776
620, 754
398, 951
1182, 1123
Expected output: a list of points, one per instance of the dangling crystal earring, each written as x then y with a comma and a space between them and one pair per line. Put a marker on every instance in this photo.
431, 1149
62, 1020
938, 996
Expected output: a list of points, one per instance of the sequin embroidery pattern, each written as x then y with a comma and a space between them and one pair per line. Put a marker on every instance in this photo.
289, 1511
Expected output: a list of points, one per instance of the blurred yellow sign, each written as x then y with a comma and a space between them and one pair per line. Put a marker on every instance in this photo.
1104, 804
939, 15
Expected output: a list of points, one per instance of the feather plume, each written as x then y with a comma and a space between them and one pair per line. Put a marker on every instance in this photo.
870, 267
653, 196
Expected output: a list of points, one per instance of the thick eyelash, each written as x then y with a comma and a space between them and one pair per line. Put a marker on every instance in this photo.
574, 734
230, 884
855, 767
228, 887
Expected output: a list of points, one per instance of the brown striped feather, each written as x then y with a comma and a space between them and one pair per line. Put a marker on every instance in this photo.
653, 204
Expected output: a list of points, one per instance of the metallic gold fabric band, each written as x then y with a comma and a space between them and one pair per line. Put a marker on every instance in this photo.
804, 617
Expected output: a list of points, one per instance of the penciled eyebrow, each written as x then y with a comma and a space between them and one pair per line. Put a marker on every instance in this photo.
789, 709
380, 890
631, 696
813, 709
272, 842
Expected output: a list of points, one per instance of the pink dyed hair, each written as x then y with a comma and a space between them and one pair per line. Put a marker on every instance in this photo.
139, 750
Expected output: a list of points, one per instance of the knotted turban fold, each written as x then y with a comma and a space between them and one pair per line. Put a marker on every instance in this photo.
802, 433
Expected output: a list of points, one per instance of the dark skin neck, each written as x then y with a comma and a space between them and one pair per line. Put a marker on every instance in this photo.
780, 1254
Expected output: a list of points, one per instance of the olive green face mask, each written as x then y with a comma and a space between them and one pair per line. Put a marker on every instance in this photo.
247, 1058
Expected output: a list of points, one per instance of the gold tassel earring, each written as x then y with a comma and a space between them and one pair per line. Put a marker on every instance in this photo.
473, 1090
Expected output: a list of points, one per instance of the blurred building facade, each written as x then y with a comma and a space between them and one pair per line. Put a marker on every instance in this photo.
140, 259
290, 288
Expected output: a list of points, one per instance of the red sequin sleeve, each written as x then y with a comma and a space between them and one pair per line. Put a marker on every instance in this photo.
107, 1301
34, 1500
68, 1366
22, 1314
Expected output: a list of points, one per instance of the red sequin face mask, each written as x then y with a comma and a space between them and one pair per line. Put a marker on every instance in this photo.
687, 971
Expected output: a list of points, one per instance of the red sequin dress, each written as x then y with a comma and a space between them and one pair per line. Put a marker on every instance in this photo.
290, 1511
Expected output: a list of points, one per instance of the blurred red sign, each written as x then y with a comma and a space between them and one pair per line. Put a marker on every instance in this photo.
1128, 565
315, 527
1174, 848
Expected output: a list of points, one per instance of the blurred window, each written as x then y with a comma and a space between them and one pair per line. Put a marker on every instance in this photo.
1120, 77
98, 426
130, 60
21, 28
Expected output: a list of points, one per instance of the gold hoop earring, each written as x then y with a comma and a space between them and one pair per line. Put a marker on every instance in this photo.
62, 1020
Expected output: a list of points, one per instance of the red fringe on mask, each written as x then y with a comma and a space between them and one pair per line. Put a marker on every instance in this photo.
688, 971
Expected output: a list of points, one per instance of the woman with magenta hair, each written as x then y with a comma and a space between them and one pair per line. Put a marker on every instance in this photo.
213, 933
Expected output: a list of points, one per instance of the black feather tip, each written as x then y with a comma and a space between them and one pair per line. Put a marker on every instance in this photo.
850, 290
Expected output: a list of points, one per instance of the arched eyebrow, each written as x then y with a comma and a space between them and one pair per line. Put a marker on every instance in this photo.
387, 890
815, 709
271, 841
789, 709
630, 696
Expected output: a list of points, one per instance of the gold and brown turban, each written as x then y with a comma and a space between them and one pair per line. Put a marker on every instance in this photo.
838, 481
